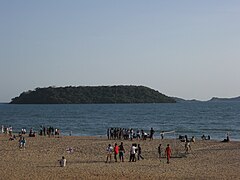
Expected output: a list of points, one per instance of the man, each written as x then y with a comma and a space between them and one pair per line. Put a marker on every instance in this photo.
133, 153
151, 134
160, 151
168, 152
121, 152
116, 151
139, 151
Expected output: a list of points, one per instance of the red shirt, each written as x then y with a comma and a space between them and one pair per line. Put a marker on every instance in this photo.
116, 149
168, 151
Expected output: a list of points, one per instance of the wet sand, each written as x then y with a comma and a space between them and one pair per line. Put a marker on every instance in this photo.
207, 159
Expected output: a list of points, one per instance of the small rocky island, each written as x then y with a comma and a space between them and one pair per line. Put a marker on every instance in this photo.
92, 95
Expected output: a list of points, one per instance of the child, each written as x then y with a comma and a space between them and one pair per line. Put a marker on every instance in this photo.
62, 162
22, 143
109, 153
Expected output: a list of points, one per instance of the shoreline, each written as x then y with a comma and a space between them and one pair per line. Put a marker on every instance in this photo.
105, 136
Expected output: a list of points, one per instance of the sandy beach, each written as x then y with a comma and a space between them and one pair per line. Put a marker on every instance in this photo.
207, 159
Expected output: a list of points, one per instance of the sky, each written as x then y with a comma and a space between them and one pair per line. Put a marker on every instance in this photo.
187, 49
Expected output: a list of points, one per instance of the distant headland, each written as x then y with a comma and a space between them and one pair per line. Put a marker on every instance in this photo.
92, 95
214, 99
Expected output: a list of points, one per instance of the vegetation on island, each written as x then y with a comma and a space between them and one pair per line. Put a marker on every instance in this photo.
92, 94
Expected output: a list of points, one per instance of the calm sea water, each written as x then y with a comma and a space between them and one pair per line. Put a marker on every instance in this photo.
193, 119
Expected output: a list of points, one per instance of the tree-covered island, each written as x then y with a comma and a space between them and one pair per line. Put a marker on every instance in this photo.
92, 95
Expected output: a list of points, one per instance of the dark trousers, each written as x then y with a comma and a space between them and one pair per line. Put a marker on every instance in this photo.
132, 158
140, 156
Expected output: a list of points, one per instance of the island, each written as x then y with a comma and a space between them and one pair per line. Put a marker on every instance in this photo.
92, 95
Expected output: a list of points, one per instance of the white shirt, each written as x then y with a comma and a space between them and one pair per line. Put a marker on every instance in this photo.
63, 162
109, 149
133, 150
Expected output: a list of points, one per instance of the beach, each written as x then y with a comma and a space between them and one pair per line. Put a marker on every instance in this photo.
208, 159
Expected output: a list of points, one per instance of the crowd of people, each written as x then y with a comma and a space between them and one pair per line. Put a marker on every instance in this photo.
117, 151
135, 152
130, 133
49, 131
8, 130
43, 131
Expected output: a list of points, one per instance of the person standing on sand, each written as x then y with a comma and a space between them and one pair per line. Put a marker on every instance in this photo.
160, 151
109, 153
151, 134
162, 134
168, 153
116, 151
62, 162
121, 152
187, 147
227, 139
2, 129
108, 133
22, 143
133, 153
139, 151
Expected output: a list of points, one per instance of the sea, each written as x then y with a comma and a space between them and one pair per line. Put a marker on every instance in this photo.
188, 118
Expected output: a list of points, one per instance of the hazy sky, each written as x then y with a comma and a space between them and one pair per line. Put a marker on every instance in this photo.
183, 48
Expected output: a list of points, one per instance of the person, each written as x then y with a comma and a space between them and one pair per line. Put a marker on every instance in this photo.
187, 147
160, 151
10, 130
62, 162
145, 136
44, 130
116, 151
227, 139
162, 134
193, 139
208, 138
203, 137
41, 131
12, 138
139, 151
109, 153
138, 135
121, 152
133, 153
151, 134
168, 152
108, 133
131, 134
22, 143
69, 150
